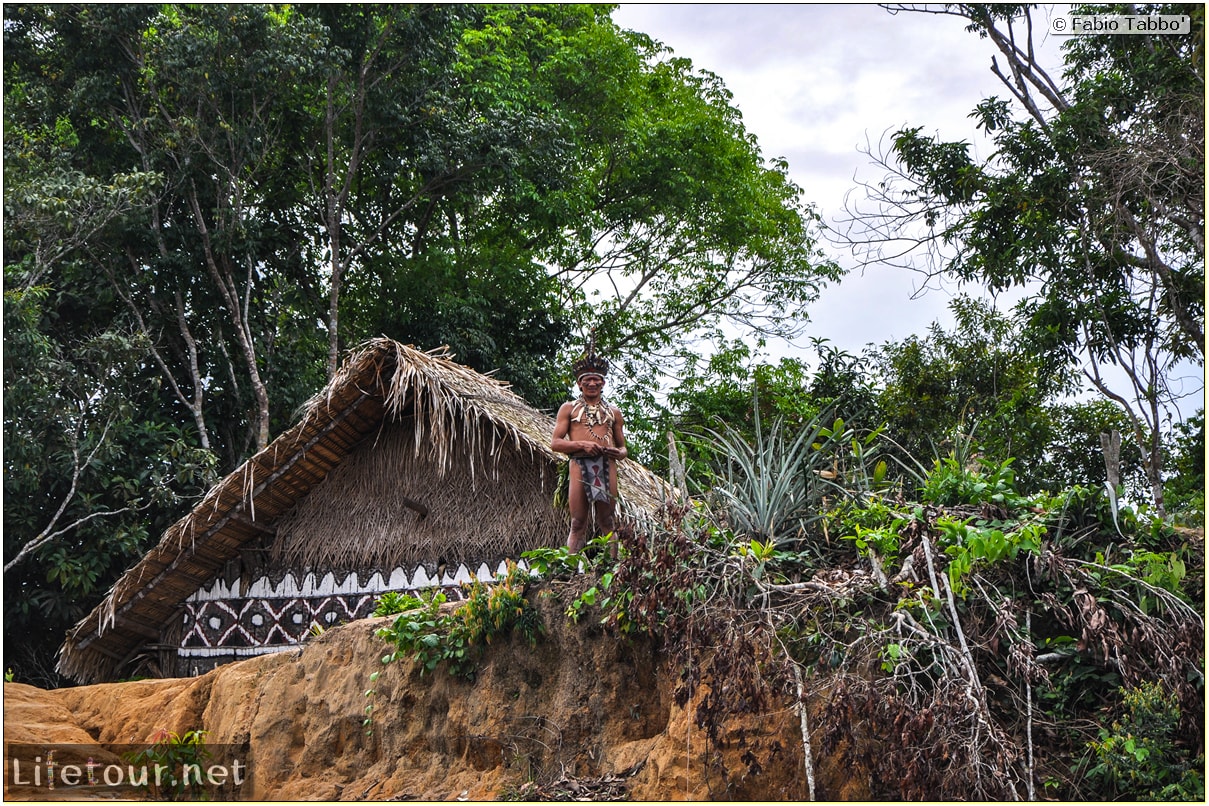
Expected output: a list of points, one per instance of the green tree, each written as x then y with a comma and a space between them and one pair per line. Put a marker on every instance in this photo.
634, 205
235, 192
1073, 455
977, 391
386, 70
945, 387
91, 462
666, 219
206, 102
214, 103
1092, 203
103, 447
422, 258
411, 147
91, 471
694, 228
1186, 486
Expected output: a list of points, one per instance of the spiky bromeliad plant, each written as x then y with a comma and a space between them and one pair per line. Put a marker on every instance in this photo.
767, 486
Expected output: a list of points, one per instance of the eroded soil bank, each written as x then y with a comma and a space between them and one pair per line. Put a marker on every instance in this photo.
579, 710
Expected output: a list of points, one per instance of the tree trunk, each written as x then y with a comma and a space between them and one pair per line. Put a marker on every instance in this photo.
221, 271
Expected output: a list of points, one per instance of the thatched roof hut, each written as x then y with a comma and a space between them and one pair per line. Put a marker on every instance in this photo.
407, 471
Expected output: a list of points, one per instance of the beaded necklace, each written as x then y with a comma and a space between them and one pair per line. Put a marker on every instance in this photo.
607, 439
593, 416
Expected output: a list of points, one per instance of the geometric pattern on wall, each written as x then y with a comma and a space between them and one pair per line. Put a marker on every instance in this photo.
270, 617
266, 622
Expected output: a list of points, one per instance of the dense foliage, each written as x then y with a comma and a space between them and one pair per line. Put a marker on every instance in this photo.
950, 639
1091, 205
206, 204
969, 392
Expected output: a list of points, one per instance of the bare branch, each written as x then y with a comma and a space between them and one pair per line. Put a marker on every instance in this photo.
49, 532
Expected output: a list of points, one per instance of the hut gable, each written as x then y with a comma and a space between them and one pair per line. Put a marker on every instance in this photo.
407, 471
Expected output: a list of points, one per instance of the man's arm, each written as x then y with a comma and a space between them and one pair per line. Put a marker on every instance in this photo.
619, 450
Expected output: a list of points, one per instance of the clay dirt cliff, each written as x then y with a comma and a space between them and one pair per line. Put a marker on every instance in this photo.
583, 713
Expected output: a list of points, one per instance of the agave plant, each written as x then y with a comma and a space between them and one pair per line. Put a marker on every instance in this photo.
767, 486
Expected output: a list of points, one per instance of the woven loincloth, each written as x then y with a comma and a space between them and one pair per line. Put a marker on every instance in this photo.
594, 473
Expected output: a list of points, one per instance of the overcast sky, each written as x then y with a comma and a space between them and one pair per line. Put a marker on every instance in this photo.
816, 82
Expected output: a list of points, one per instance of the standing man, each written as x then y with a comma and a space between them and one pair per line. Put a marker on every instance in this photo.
589, 430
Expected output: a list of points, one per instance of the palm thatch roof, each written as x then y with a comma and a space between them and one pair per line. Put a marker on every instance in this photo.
456, 415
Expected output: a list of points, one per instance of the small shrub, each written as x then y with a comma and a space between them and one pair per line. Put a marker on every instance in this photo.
968, 545
418, 632
431, 637
951, 484
177, 754
392, 602
1137, 757
551, 563
883, 541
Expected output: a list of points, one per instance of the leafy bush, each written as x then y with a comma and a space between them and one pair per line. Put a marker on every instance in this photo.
496, 609
952, 483
177, 754
883, 540
431, 637
1081, 511
969, 544
1138, 758
421, 632
561, 563
392, 602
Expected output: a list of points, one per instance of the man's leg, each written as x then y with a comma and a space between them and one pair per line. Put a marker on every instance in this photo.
604, 516
604, 510
577, 502
604, 520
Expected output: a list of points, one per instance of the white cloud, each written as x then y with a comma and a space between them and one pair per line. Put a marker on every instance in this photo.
817, 82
